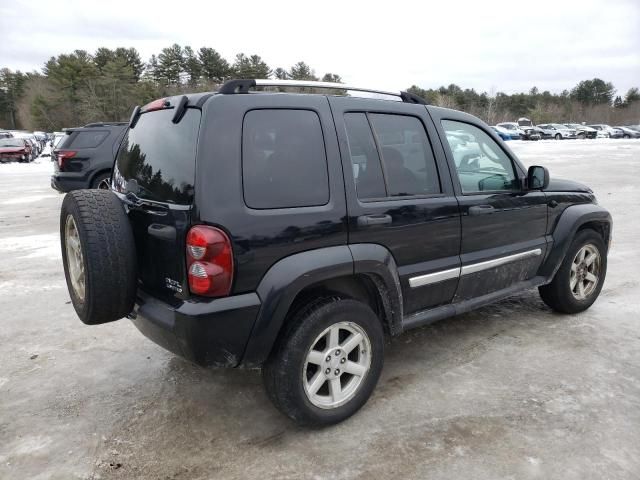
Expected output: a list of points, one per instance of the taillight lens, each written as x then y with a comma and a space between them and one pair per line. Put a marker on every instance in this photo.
64, 155
209, 261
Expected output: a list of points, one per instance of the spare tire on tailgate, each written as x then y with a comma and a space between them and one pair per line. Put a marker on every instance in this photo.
99, 256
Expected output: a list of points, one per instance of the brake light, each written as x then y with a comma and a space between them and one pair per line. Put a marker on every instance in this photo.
209, 261
64, 155
156, 105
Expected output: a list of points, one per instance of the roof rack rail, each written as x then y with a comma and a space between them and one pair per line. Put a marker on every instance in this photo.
244, 85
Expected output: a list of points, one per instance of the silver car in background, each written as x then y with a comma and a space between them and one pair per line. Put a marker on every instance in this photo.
560, 132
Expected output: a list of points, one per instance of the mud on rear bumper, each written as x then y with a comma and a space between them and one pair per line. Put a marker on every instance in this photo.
208, 333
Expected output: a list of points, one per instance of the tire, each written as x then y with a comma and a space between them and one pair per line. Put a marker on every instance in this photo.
287, 373
582, 136
101, 181
104, 283
626, 136
558, 294
558, 136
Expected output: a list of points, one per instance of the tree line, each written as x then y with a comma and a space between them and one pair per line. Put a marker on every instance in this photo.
79, 87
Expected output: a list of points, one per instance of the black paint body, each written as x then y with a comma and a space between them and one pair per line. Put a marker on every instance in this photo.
280, 253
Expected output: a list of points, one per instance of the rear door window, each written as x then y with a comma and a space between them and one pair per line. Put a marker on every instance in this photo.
403, 150
157, 158
87, 139
284, 162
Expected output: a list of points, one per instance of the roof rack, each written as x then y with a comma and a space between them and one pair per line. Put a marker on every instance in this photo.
244, 85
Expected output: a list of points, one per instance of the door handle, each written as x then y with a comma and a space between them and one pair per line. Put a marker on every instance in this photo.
481, 210
368, 220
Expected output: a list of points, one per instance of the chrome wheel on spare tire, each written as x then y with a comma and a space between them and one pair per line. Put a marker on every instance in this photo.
336, 364
585, 272
75, 258
326, 361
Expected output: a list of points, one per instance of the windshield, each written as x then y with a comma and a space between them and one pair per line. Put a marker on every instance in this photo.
157, 158
559, 126
11, 142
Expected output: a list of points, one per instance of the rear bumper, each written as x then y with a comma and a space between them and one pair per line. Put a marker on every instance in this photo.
209, 333
65, 182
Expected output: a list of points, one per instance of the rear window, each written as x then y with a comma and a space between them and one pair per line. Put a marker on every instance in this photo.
87, 139
157, 158
284, 163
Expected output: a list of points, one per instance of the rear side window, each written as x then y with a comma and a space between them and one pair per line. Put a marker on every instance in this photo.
403, 148
87, 139
364, 157
157, 158
284, 163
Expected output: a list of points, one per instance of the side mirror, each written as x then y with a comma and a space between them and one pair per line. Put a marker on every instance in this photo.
537, 178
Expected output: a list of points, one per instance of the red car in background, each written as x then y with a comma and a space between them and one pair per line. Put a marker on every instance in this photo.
15, 149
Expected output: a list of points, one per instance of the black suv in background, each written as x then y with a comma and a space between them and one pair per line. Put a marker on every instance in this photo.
84, 158
293, 231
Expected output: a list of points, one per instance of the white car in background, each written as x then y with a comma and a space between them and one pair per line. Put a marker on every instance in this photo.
583, 130
560, 132
605, 131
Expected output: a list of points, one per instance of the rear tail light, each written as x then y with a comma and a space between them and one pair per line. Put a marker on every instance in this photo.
64, 155
209, 261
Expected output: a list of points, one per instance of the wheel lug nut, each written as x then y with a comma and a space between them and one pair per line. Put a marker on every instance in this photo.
327, 371
342, 360
337, 372
337, 352
328, 359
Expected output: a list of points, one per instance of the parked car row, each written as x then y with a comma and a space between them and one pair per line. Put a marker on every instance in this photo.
524, 129
22, 146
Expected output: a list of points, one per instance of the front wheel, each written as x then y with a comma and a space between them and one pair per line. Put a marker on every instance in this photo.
579, 279
558, 136
327, 362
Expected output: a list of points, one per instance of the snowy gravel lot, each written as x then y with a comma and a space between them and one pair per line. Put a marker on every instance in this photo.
508, 391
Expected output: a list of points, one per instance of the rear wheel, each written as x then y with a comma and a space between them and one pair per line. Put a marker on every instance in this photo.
579, 280
98, 254
102, 181
327, 362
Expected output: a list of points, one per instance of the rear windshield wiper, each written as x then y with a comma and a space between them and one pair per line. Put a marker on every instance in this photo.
135, 202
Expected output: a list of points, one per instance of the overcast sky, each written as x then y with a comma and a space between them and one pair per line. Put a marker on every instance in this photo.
504, 45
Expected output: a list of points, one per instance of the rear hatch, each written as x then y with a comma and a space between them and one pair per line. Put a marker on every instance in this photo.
154, 175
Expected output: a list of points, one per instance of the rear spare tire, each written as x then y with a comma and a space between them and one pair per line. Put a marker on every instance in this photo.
98, 254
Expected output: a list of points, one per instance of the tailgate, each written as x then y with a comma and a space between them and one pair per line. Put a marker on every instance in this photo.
155, 170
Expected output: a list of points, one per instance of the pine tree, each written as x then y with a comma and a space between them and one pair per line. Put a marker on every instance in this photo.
170, 64
214, 67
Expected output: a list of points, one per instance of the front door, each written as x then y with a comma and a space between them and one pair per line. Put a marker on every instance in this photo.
503, 224
399, 194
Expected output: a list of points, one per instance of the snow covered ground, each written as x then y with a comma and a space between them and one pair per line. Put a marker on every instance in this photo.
508, 391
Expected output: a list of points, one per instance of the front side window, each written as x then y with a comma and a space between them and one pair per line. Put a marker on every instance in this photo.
284, 162
480, 163
401, 164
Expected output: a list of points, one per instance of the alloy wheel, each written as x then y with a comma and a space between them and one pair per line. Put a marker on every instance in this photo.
585, 272
75, 261
336, 365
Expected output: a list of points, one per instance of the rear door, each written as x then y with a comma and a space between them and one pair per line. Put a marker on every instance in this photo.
155, 165
503, 224
399, 194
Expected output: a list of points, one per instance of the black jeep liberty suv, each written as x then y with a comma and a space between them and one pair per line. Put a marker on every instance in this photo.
289, 231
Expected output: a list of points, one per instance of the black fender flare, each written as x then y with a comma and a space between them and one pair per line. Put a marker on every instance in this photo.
288, 277
565, 230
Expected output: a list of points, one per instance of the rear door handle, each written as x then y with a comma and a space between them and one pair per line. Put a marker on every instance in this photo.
368, 220
481, 210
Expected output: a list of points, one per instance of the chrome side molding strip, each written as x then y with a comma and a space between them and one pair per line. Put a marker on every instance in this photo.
496, 262
443, 275
436, 277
